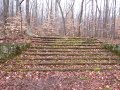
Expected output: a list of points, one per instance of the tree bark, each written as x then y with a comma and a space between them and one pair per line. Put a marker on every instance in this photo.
63, 18
6, 12
80, 17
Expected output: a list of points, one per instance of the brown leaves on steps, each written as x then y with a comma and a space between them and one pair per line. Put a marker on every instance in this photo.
97, 77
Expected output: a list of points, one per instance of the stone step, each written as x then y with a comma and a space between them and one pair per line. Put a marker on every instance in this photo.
38, 41
65, 54
32, 47
70, 52
83, 62
69, 63
67, 50
66, 45
61, 69
64, 40
47, 39
61, 38
61, 56
82, 59
43, 38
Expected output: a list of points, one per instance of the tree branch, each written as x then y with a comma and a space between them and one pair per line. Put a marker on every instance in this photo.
21, 2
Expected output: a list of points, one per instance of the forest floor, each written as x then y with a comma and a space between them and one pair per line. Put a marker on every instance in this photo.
110, 41
62, 64
87, 80
15, 39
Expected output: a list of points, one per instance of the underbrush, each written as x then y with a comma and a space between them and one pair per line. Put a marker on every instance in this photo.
10, 50
113, 48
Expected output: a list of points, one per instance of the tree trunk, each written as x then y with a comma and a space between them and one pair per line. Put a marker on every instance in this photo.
105, 19
28, 17
6, 12
80, 17
17, 7
114, 20
64, 25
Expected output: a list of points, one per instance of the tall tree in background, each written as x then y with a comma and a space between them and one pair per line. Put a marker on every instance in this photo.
80, 17
12, 8
17, 6
36, 11
114, 19
6, 13
63, 18
28, 17
105, 18
87, 19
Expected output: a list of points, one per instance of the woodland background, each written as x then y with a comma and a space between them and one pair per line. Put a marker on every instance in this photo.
88, 18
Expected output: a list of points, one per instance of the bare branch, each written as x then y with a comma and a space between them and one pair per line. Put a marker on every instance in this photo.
21, 2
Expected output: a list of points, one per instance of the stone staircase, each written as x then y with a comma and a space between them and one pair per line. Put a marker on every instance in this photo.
64, 54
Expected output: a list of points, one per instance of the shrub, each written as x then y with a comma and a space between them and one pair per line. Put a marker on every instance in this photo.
113, 48
9, 51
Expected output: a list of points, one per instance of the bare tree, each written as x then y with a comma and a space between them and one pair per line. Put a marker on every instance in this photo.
92, 19
105, 17
12, 8
17, 6
63, 18
80, 17
28, 16
6, 12
114, 19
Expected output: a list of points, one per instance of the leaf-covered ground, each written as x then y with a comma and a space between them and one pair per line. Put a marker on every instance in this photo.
66, 64
87, 80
